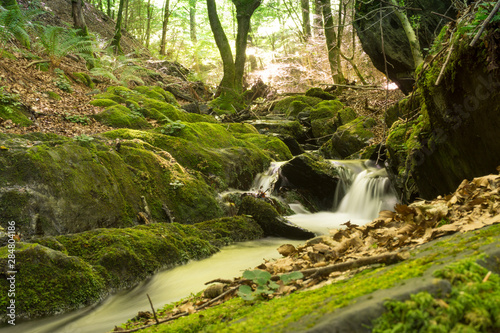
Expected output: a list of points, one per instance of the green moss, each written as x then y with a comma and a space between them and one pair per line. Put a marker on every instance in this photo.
51, 282
103, 102
241, 128
272, 146
228, 103
320, 93
157, 93
284, 105
53, 95
84, 78
11, 108
108, 95
120, 116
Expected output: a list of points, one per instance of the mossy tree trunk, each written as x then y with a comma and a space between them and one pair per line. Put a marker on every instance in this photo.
78, 18
166, 15
115, 42
416, 51
332, 42
306, 21
318, 18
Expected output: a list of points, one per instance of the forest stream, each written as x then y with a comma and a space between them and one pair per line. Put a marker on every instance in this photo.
364, 190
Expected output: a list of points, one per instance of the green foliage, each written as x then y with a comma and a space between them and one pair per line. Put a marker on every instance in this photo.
265, 286
78, 119
120, 69
84, 138
15, 23
58, 42
62, 81
173, 127
473, 305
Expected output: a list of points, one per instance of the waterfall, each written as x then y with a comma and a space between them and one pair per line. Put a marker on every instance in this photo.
264, 182
370, 192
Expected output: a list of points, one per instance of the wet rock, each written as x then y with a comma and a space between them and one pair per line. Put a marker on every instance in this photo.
287, 249
213, 290
270, 221
313, 179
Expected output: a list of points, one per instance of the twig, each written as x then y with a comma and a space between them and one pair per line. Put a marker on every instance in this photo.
219, 280
440, 76
446, 17
390, 258
213, 300
36, 62
485, 23
152, 308
353, 87
487, 276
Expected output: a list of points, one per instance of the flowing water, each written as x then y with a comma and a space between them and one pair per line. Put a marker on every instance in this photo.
363, 191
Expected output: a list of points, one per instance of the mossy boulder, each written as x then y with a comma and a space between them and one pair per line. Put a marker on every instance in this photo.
284, 106
66, 272
349, 138
223, 158
84, 78
320, 93
327, 116
270, 220
12, 109
158, 93
60, 185
103, 102
120, 116
311, 178
407, 107
280, 126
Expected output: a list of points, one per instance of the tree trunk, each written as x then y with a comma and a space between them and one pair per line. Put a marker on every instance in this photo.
78, 19
226, 54
192, 20
166, 15
115, 42
125, 21
148, 24
318, 18
416, 52
332, 44
109, 8
306, 21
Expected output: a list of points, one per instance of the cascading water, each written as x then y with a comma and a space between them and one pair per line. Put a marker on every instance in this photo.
363, 190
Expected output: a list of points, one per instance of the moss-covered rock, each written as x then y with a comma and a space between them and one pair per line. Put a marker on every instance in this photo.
158, 93
287, 127
12, 109
53, 95
284, 106
311, 179
120, 116
349, 138
61, 185
270, 221
84, 78
320, 93
103, 102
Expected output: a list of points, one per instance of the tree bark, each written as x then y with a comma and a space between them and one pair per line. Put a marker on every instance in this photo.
192, 21
318, 18
306, 21
223, 46
78, 19
166, 15
148, 24
115, 42
109, 8
332, 44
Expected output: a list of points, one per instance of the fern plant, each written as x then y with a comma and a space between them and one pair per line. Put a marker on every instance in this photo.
119, 69
16, 23
58, 42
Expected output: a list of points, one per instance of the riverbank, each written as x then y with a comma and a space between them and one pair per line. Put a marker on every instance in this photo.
464, 263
